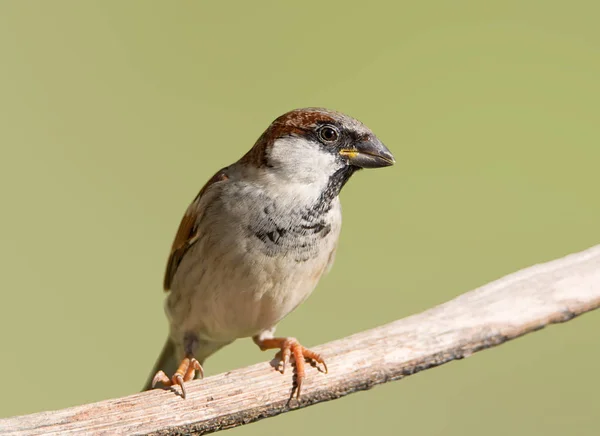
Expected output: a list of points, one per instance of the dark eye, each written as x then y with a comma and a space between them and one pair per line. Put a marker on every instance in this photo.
328, 134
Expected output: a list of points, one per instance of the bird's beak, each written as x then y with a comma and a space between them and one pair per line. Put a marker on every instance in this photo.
368, 154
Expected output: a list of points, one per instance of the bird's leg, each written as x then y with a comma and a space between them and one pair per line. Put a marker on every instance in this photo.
187, 368
290, 347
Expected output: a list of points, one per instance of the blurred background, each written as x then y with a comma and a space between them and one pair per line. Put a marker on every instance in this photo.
113, 115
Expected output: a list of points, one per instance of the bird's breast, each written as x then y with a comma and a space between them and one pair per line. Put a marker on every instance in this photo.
257, 258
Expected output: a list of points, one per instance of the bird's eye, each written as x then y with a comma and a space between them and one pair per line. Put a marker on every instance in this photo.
328, 134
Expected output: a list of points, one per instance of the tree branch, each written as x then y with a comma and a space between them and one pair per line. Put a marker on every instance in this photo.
517, 304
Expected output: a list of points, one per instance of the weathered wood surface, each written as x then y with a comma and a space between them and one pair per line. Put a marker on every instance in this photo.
505, 309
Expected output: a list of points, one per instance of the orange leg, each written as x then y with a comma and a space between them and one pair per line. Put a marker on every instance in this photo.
186, 372
290, 347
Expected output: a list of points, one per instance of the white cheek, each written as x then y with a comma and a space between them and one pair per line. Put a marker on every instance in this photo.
302, 161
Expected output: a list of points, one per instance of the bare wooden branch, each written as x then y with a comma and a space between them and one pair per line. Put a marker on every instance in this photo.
505, 309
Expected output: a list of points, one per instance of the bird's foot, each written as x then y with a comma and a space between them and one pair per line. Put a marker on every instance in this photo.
186, 372
291, 347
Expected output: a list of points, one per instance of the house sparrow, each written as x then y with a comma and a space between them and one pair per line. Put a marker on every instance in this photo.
258, 237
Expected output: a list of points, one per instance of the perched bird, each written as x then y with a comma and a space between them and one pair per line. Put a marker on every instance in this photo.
258, 237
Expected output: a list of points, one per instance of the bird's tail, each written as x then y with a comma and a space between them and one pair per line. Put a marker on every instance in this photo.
167, 361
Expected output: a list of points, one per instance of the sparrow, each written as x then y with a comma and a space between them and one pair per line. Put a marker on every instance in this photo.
257, 238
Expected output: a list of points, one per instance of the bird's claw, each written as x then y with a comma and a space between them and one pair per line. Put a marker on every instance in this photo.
289, 347
186, 372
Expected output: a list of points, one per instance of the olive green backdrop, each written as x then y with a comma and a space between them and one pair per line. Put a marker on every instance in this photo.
113, 114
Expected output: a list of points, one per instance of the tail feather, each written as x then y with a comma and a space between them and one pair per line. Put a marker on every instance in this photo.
167, 361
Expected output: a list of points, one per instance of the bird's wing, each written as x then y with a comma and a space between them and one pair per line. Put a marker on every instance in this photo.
188, 233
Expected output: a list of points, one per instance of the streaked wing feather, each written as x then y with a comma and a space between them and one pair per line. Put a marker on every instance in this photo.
187, 233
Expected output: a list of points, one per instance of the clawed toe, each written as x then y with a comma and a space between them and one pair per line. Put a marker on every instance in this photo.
186, 372
289, 347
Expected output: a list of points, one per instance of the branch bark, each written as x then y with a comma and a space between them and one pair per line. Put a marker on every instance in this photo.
517, 304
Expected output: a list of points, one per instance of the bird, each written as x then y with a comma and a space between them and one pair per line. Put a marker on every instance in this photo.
254, 242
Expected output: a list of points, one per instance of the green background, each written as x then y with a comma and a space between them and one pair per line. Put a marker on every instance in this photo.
113, 114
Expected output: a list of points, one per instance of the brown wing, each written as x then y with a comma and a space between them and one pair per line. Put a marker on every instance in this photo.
187, 234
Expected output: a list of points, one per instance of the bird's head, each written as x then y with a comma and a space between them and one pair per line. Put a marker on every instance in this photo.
312, 145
